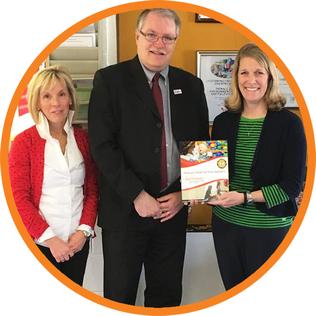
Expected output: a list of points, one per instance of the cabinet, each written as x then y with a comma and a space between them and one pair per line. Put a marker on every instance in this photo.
83, 61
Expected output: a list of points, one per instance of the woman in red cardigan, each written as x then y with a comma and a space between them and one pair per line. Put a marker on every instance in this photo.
52, 175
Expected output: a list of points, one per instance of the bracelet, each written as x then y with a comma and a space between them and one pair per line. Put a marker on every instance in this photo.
87, 233
245, 198
248, 199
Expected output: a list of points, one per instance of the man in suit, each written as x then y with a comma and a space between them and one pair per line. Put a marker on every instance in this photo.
134, 126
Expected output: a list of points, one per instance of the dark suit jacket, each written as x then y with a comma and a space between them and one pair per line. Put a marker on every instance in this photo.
280, 156
125, 133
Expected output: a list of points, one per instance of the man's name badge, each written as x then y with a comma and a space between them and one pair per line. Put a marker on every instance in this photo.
177, 91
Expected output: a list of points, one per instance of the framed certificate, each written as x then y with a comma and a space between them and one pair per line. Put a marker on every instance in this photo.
215, 70
286, 90
200, 18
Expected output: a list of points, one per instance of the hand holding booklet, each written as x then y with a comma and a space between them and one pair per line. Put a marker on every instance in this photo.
204, 169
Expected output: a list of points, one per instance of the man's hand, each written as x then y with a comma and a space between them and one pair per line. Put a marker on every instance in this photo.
170, 205
59, 249
146, 205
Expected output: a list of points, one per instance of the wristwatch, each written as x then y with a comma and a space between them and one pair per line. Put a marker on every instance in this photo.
248, 198
86, 233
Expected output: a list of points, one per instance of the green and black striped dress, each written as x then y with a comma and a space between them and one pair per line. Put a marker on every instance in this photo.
247, 215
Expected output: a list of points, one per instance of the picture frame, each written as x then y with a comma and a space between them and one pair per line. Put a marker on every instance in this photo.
214, 68
200, 18
286, 90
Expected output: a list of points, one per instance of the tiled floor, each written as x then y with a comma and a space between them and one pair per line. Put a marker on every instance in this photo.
201, 278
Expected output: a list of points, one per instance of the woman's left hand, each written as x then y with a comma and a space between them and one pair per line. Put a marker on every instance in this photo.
77, 240
228, 199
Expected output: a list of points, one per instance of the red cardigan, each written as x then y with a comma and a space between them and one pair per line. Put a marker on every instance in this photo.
26, 168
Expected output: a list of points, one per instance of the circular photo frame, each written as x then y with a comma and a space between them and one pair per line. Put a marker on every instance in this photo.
191, 9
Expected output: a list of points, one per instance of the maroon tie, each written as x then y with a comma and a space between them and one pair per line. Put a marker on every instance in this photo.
159, 103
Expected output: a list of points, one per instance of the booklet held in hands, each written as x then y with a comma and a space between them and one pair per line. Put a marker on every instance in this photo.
204, 169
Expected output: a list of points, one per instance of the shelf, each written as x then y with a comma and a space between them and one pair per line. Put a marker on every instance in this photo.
75, 53
78, 67
77, 77
82, 61
80, 122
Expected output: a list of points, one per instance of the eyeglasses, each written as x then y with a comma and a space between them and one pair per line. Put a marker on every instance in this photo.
152, 37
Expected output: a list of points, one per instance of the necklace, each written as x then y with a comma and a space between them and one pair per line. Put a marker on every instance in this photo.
249, 130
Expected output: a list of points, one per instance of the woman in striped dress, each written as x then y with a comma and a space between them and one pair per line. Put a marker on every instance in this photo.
267, 153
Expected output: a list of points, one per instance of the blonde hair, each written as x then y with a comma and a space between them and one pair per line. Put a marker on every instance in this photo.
274, 98
42, 80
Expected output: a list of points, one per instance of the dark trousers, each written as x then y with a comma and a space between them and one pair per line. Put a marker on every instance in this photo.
242, 250
75, 267
157, 247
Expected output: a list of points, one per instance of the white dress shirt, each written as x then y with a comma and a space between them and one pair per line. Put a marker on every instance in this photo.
172, 151
62, 196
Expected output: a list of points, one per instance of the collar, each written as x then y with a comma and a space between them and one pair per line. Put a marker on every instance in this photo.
150, 74
43, 126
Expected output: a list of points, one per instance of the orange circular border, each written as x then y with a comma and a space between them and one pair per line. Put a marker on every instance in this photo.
310, 152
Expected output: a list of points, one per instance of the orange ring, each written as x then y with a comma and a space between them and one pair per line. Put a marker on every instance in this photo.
310, 152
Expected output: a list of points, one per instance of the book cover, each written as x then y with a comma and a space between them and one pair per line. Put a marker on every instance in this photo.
204, 169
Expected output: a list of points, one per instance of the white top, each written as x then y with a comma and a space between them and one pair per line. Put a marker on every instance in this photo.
62, 196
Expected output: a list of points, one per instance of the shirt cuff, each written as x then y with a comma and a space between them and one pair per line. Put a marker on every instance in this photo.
274, 195
86, 228
48, 233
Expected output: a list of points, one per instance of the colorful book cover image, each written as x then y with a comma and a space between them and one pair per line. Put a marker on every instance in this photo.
204, 169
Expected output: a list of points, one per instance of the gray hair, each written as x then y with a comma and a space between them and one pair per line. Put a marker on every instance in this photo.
162, 12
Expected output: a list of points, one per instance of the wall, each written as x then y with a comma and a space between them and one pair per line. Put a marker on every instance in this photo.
193, 37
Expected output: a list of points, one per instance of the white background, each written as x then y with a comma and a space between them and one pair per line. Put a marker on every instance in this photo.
27, 27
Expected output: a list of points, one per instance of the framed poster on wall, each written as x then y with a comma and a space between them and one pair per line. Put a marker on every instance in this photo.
200, 18
286, 90
215, 70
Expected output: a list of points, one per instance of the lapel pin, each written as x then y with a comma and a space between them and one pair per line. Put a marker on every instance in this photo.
177, 91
